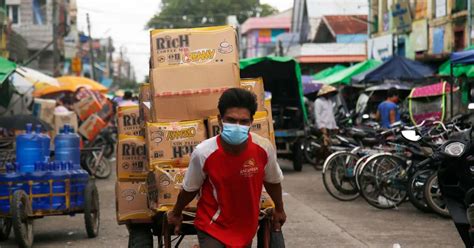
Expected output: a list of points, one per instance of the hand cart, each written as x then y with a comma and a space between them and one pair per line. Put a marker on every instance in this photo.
21, 214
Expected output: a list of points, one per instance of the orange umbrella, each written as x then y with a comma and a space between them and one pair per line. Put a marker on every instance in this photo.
71, 84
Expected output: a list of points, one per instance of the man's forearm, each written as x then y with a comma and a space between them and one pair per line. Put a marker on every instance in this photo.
184, 198
275, 192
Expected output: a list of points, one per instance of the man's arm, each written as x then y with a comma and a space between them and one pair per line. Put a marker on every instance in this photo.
392, 116
193, 180
279, 215
377, 116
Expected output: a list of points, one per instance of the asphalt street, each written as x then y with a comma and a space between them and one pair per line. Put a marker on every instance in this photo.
315, 219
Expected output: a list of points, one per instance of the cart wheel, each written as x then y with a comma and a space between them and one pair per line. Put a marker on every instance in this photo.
140, 236
5, 228
22, 224
298, 156
263, 234
91, 209
103, 169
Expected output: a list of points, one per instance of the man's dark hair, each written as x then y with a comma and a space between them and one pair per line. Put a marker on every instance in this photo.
392, 92
237, 98
128, 95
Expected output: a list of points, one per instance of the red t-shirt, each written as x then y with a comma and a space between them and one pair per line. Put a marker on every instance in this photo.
231, 186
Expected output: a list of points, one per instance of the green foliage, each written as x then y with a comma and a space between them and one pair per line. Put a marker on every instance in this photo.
198, 13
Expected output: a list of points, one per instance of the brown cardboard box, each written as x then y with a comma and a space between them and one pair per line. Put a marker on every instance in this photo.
91, 127
44, 109
196, 77
193, 46
131, 201
164, 185
131, 157
144, 94
260, 125
186, 106
145, 114
60, 119
128, 120
255, 85
268, 107
173, 140
87, 106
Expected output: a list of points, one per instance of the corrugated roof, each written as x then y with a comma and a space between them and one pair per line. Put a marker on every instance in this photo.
346, 24
279, 21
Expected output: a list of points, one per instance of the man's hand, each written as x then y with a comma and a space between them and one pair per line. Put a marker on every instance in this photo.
279, 218
176, 220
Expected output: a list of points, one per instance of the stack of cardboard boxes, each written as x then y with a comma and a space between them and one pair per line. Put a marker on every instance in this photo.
190, 68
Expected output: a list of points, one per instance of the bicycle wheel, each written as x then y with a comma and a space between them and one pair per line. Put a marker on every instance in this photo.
416, 189
434, 198
338, 176
381, 181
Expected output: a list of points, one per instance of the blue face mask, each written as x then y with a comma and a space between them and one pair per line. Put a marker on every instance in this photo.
234, 134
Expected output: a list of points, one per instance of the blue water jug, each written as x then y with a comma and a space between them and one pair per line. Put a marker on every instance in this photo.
65, 168
59, 187
29, 150
45, 142
82, 180
73, 183
40, 187
67, 146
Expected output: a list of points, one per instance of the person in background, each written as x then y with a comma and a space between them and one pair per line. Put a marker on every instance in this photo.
127, 99
229, 170
324, 114
387, 111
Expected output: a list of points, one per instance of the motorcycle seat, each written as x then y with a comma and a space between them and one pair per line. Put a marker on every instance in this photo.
370, 141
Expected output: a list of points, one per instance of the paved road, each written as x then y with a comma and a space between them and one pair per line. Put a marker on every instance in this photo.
315, 219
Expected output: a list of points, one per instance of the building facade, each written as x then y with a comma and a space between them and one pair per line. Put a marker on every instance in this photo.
423, 30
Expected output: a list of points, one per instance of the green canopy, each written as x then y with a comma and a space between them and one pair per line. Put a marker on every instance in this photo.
244, 63
328, 71
344, 76
6, 88
459, 70
6, 68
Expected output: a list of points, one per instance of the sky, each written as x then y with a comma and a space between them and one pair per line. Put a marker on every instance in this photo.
125, 20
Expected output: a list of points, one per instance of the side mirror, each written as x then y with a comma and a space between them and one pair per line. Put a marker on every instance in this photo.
365, 116
470, 106
411, 135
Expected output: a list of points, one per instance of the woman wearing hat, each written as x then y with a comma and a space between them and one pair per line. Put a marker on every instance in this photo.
324, 115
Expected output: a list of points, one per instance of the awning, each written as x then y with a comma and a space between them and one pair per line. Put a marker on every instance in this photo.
345, 75
328, 71
400, 68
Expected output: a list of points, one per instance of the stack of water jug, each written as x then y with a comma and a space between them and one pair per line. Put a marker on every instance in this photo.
42, 178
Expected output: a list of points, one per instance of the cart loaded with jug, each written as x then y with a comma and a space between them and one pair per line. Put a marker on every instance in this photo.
35, 185
177, 111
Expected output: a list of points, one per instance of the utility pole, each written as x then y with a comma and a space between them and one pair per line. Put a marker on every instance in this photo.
55, 39
109, 57
91, 50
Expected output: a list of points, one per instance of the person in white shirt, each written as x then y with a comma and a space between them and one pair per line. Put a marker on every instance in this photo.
324, 114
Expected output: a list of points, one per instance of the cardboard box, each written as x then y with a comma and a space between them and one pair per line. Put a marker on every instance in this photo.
131, 201
260, 125
265, 200
173, 141
61, 119
144, 95
186, 106
164, 185
193, 46
196, 77
87, 106
44, 109
131, 158
268, 108
145, 113
106, 111
92, 127
256, 86
128, 120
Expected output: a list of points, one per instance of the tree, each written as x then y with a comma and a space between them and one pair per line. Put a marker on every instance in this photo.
198, 13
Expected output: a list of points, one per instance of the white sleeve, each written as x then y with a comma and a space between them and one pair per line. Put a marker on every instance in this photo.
273, 173
194, 177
